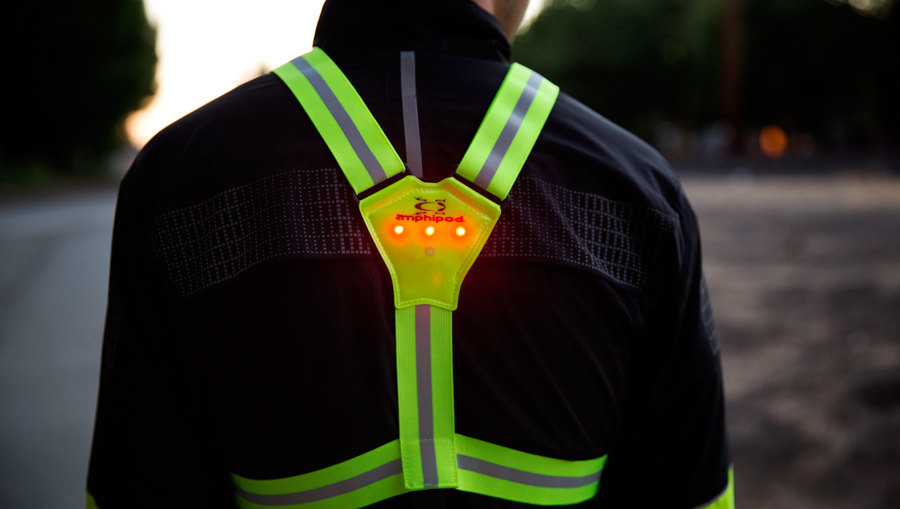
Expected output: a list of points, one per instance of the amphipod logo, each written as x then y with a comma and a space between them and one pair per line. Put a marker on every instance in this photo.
432, 211
437, 206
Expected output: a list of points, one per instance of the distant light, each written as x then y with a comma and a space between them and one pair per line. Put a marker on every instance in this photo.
773, 141
429, 230
398, 230
460, 231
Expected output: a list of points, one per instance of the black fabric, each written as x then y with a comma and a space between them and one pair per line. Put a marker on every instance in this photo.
251, 324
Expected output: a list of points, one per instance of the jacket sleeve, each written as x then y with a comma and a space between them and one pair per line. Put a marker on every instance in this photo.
151, 446
674, 451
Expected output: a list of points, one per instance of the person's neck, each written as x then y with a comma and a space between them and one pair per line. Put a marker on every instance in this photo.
447, 26
508, 12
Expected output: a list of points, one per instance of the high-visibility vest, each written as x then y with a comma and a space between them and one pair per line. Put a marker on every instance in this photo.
428, 235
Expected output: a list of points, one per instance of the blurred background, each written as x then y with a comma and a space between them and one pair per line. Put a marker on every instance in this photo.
782, 118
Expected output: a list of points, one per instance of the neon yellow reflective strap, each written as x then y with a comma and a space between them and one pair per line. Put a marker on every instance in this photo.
357, 482
345, 123
428, 235
509, 130
497, 471
91, 503
726, 499
425, 397
442, 395
528, 462
484, 468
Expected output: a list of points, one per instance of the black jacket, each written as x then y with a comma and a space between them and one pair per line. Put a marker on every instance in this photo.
251, 327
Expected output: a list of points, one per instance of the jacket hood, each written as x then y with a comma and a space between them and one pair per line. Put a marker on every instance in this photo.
458, 27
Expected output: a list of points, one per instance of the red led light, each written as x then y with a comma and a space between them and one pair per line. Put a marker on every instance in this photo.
460, 231
429, 230
398, 230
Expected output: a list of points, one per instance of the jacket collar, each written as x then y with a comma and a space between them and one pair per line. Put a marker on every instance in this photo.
456, 27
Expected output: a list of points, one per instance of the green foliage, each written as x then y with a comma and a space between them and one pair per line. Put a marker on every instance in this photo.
75, 70
819, 66
822, 68
635, 61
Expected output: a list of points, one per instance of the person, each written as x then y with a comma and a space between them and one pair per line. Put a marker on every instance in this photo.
251, 342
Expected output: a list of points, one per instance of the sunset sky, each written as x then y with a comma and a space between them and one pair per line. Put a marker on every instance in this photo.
206, 48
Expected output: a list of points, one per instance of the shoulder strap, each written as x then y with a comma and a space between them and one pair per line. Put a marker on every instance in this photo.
354, 137
508, 132
493, 160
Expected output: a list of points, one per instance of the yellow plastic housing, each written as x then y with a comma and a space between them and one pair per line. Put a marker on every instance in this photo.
442, 228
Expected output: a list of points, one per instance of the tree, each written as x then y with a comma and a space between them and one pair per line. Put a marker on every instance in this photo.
824, 68
638, 62
74, 71
830, 68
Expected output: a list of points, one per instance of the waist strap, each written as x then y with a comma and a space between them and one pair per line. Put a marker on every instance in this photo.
483, 468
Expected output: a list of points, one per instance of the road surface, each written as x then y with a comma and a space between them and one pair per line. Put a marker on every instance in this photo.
54, 264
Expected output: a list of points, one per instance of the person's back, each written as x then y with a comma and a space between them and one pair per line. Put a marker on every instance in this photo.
251, 324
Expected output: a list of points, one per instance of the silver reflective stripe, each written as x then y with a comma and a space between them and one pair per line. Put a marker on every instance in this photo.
332, 490
410, 112
423, 395
509, 131
522, 477
373, 167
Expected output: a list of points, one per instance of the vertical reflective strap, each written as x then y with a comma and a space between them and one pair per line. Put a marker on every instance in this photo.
354, 137
407, 400
410, 112
509, 130
424, 396
442, 395
425, 392
91, 503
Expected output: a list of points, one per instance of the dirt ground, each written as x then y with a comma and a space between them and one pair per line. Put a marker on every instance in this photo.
804, 275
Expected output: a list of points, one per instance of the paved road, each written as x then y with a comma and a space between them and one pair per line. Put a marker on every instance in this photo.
804, 276
54, 263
